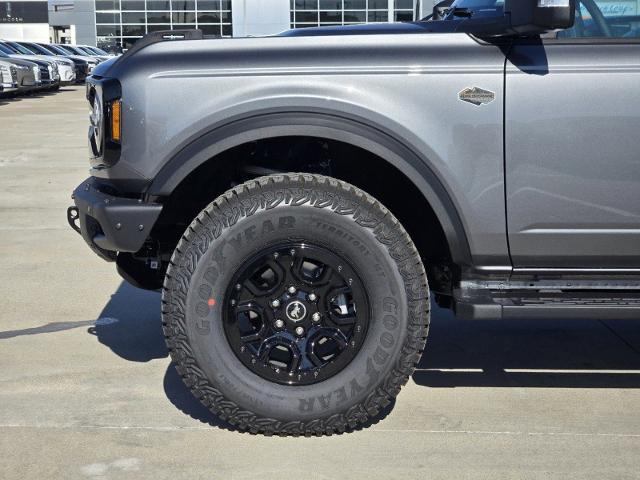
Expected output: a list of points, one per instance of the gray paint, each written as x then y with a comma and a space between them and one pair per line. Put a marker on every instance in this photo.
388, 81
573, 155
185, 101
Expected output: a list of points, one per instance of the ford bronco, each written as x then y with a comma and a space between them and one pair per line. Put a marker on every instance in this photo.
298, 198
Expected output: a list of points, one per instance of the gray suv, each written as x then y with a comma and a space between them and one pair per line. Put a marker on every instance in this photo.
300, 199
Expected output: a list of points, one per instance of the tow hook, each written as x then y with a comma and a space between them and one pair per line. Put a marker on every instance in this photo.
73, 217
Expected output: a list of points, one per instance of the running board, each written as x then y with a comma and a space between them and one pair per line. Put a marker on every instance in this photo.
496, 304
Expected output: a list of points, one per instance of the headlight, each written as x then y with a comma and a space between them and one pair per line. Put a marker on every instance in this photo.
36, 72
6, 74
96, 128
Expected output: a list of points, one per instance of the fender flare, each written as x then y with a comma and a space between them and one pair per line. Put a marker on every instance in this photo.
323, 125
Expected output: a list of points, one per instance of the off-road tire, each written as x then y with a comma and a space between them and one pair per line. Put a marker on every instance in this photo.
400, 305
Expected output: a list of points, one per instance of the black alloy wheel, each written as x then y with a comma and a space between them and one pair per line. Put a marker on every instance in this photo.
296, 314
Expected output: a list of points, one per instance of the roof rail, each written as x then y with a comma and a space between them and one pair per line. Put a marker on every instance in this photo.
162, 36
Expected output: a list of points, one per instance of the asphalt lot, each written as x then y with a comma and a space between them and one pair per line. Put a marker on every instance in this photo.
87, 389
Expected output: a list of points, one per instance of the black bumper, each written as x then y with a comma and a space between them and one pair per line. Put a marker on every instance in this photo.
108, 223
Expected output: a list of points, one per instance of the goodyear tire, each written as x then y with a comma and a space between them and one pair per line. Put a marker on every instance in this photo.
295, 305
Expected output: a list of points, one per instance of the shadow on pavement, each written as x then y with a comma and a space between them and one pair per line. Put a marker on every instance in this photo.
548, 353
530, 353
131, 327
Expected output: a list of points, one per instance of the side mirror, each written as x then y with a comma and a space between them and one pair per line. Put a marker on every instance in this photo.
440, 9
539, 16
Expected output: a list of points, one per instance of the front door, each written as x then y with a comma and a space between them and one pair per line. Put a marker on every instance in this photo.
572, 143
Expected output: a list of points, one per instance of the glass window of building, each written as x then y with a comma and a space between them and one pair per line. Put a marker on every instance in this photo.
119, 23
314, 13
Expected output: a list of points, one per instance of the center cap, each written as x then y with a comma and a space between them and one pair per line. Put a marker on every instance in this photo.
296, 311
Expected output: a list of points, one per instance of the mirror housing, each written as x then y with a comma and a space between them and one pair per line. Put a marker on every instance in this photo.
529, 17
440, 9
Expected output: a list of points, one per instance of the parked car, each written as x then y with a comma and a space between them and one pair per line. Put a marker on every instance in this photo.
82, 66
97, 51
19, 75
72, 49
49, 74
66, 67
8, 76
92, 61
304, 195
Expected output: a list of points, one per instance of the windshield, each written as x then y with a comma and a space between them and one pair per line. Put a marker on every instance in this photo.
98, 51
85, 51
37, 49
66, 49
53, 49
19, 48
71, 49
5, 49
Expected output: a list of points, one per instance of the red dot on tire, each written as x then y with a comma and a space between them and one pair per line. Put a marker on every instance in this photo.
211, 302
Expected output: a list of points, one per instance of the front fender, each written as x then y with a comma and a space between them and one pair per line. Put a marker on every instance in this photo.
323, 124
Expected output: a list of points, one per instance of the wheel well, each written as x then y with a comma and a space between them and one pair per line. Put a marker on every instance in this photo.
337, 159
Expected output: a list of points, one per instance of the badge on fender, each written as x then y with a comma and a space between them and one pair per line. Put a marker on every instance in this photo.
477, 96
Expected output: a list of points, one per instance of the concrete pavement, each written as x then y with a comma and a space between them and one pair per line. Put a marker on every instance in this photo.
87, 389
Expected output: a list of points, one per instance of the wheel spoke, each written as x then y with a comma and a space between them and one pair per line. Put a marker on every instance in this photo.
322, 340
290, 362
266, 279
296, 314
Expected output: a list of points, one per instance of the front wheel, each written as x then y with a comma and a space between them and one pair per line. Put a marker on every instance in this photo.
295, 304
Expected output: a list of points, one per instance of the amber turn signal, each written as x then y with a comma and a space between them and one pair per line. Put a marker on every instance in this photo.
116, 107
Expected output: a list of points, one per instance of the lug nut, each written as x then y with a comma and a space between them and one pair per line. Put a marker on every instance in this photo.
275, 303
292, 290
315, 317
312, 297
299, 331
279, 323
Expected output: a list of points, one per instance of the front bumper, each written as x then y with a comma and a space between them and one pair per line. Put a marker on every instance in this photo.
110, 223
9, 87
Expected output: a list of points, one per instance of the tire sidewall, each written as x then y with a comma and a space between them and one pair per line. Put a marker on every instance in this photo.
216, 262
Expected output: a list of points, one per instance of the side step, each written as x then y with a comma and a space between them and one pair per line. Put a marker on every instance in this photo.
498, 304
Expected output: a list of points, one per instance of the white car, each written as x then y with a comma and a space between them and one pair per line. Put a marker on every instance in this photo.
65, 67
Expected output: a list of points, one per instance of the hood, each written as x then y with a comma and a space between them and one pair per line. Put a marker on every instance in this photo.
39, 59
86, 58
79, 58
17, 61
102, 68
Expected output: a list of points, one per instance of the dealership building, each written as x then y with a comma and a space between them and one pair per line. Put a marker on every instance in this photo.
122, 22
